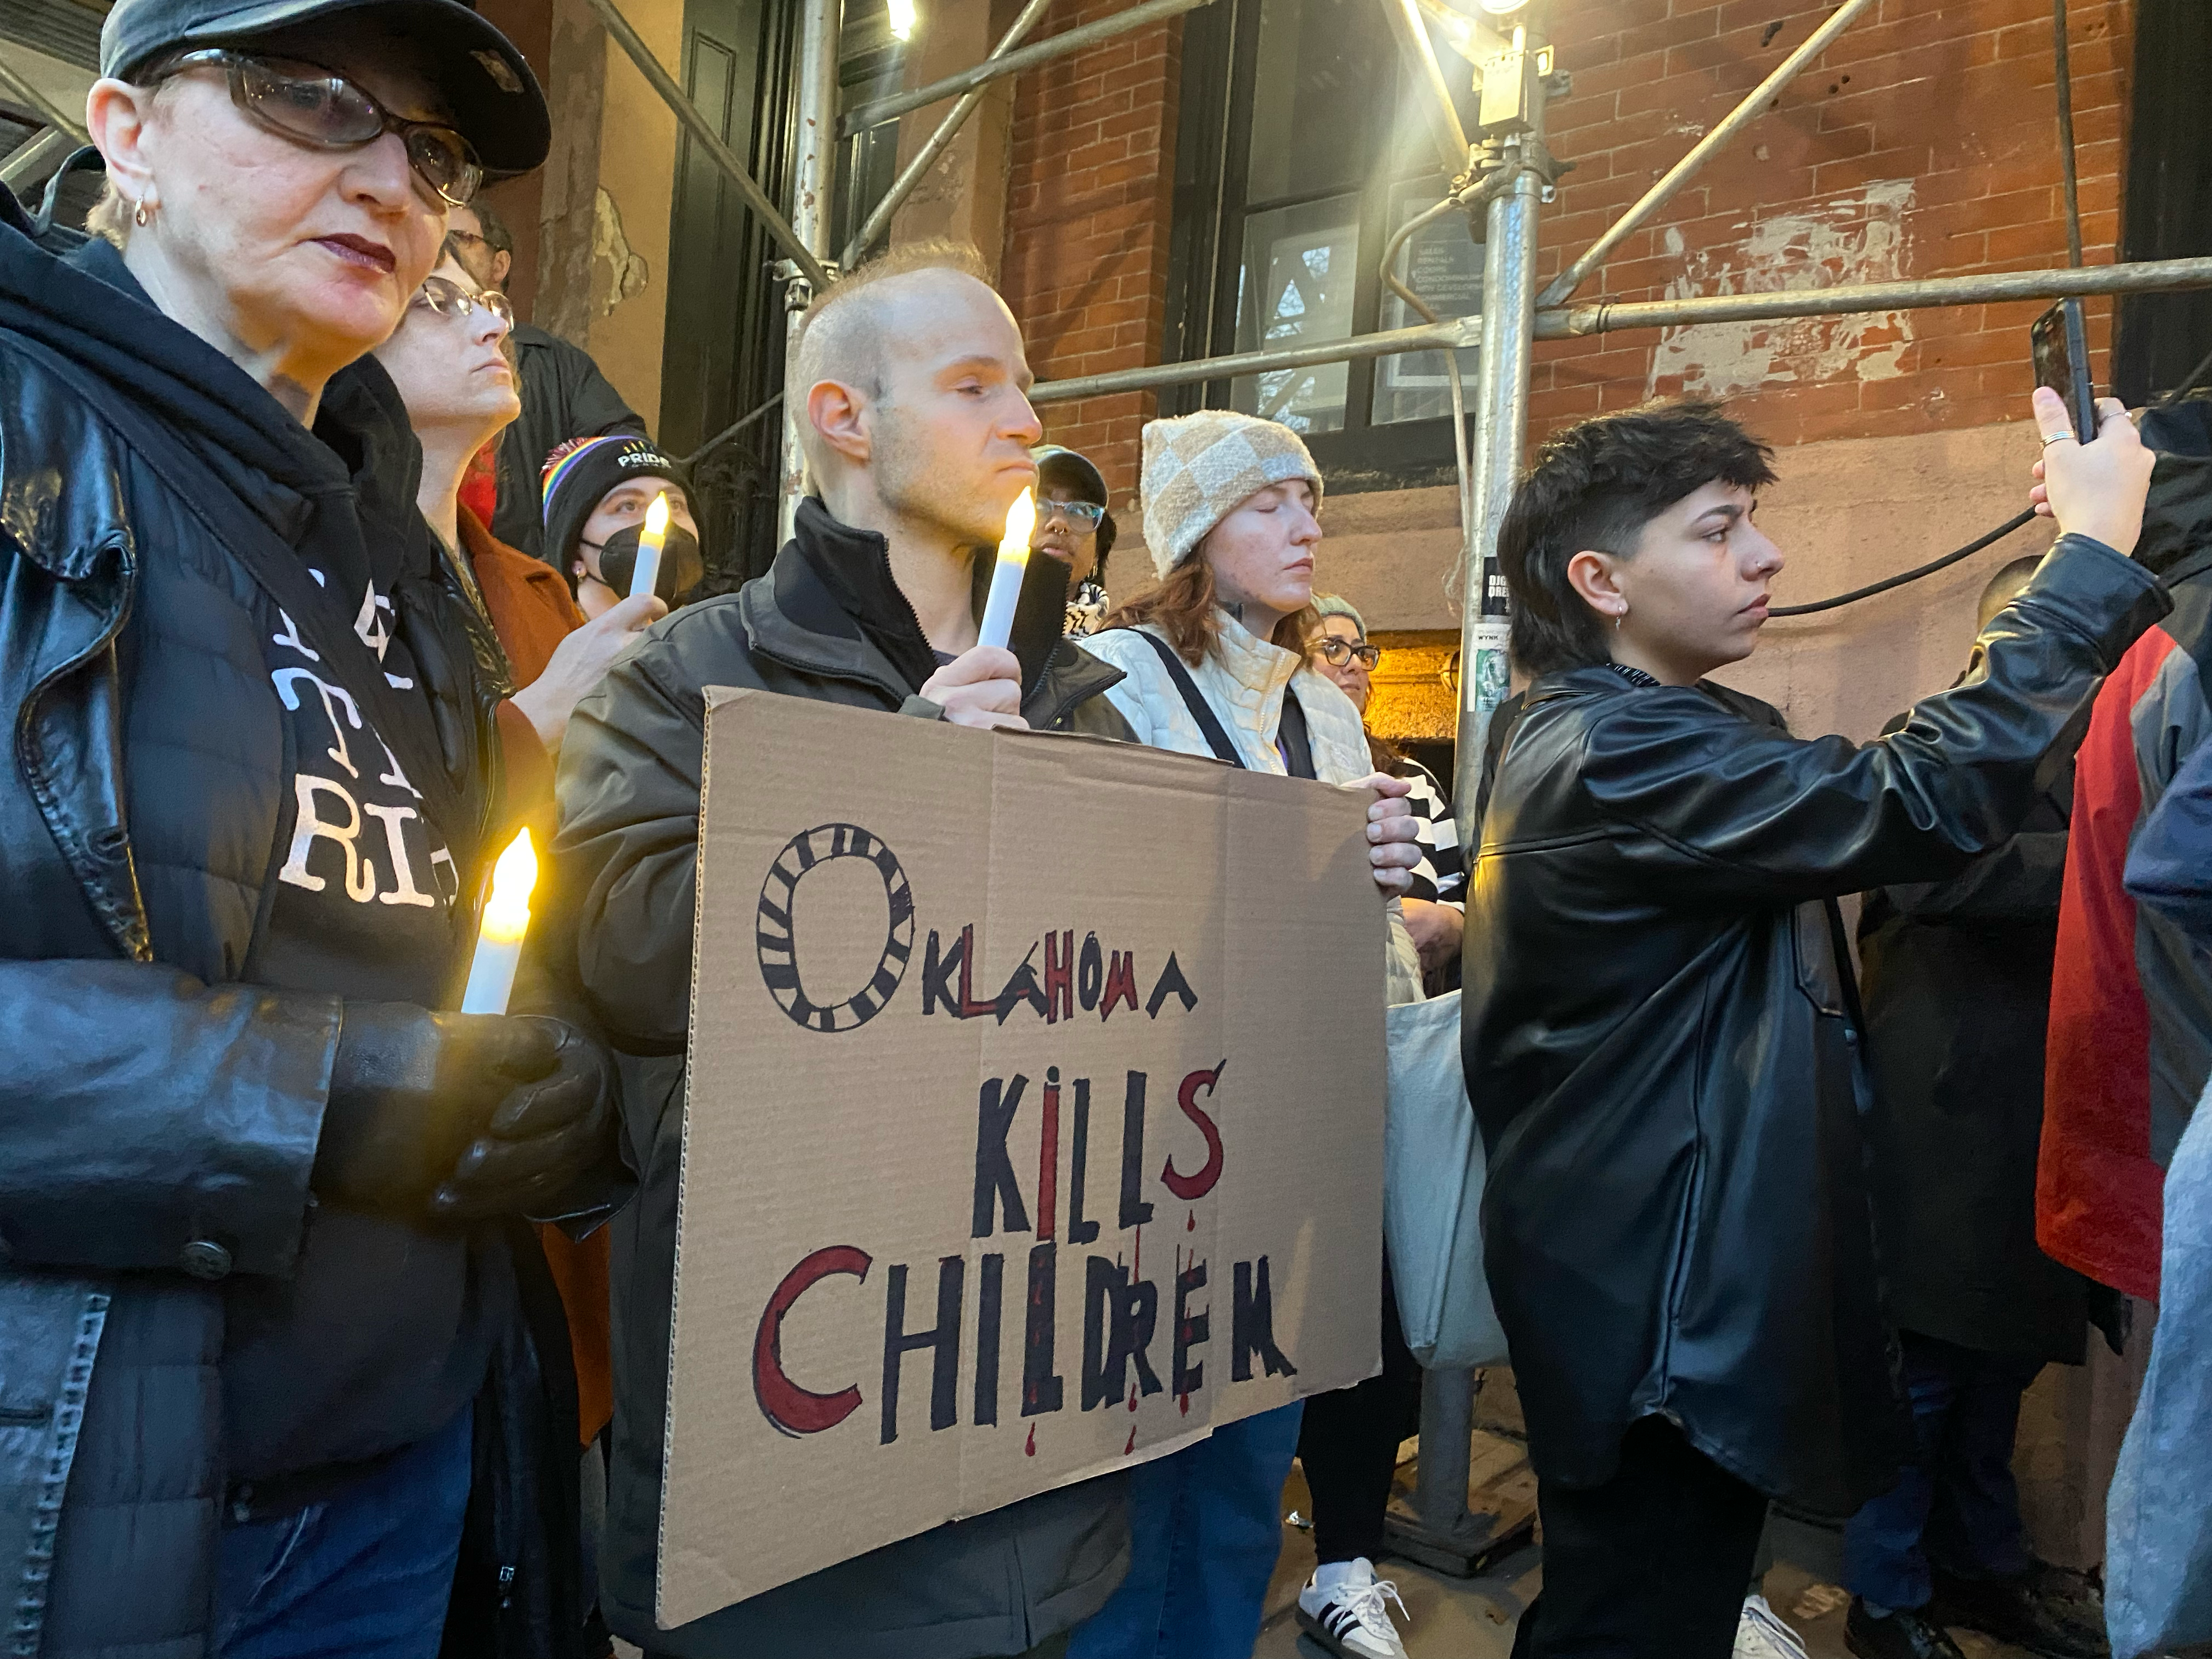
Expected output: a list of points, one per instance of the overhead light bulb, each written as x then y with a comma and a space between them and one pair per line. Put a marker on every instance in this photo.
902, 19
1501, 8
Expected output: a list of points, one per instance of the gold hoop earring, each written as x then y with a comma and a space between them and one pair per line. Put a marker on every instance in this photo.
142, 215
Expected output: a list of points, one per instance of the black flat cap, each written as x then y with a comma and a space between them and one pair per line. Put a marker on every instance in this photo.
494, 99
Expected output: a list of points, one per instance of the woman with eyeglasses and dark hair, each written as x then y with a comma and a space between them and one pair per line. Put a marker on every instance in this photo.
262, 1202
1436, 904
449, 359
1072, 522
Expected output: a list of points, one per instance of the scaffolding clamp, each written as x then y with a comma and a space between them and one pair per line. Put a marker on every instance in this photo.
798, 288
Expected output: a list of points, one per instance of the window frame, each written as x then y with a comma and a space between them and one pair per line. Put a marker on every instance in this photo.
1208, 214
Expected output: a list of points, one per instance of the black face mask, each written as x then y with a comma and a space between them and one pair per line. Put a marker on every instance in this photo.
681, 566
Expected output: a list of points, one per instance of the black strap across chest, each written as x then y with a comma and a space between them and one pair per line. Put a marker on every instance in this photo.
1297, 743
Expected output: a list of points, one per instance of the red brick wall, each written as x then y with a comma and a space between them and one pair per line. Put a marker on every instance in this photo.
1923, 143
1087, 206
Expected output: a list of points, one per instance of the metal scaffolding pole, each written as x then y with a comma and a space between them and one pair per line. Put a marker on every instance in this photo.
1456, 333
1994, 287
938, 142
38, 104
710, 141
877, 110
813, 185
1441, 115
28, 162
2145, 277
1678, 175
1509, 294
1442, 1532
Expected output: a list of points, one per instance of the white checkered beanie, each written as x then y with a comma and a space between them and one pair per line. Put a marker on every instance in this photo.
1198, 468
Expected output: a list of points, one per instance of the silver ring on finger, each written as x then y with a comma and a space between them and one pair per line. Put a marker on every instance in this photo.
2058, 437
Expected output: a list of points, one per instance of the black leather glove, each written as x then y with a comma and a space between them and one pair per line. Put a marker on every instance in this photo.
543, 1136
410, 1090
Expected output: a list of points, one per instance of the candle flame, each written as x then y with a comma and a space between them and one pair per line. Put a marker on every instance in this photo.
656, 525
1021, 524
507, 913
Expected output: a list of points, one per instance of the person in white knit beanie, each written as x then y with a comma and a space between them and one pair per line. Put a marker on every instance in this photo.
1218, 660
1198, 468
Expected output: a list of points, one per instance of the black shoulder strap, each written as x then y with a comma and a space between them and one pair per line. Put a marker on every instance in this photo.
1297, 741
1194, 700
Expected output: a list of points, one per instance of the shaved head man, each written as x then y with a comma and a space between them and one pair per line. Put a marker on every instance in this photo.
917, 423
909, 386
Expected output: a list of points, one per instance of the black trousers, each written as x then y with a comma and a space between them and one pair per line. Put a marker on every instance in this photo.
1348, 1444
1652, 1565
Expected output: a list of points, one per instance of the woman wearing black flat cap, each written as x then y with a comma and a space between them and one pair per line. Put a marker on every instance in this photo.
257, 1196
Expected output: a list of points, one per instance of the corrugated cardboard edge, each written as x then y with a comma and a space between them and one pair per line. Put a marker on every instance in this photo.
715, 696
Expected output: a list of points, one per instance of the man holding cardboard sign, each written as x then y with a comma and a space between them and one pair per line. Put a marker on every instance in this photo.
917, 435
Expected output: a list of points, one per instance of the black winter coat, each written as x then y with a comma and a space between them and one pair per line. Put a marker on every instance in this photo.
1662, 1038
159, 1117
564, 396
1956, 979
626, 862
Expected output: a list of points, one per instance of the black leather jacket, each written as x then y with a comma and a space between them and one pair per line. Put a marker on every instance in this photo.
1662, 1037
110, 1161
158, 1118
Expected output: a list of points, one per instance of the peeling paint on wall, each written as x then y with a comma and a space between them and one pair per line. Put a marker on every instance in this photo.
1852, 239
618, 273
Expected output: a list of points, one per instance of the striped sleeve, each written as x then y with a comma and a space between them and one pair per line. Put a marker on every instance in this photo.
1441, 876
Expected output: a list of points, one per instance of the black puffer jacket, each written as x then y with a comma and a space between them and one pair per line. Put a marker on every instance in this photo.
1662, 1037
825, 623
1957, 981
564, 396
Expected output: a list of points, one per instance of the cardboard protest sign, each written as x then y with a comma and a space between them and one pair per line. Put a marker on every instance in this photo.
1034, 1126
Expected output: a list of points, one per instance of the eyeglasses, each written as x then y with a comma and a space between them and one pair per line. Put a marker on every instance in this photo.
1079, 515
1337, 651
449, 299
328, 112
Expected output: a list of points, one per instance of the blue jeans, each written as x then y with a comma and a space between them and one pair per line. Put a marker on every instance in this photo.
365, 1573
1955, 1501
1206, 1525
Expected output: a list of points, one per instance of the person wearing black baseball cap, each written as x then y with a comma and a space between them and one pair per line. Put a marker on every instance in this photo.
259, 1194
1073, 521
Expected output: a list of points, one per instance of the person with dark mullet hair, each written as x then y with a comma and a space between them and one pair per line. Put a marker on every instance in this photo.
1663, 1036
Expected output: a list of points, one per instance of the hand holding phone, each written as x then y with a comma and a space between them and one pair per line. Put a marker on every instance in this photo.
2095, 489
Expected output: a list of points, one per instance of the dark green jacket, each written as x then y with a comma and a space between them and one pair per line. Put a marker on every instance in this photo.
825, 623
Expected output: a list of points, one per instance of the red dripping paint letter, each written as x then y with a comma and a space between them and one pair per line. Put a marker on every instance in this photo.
792, 1410
1197, 1185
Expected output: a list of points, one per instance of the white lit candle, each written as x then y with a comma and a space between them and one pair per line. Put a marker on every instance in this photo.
506, 920
648, 548
1006, 580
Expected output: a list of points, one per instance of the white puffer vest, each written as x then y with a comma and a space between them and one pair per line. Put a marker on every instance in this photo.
1244, 680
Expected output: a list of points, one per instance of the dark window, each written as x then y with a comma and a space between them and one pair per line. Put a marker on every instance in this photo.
2160, 337
871, 64
724, 335
1300, 153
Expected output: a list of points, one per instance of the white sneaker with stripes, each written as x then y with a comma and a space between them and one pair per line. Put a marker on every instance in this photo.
1760, 1633
1343, 1606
